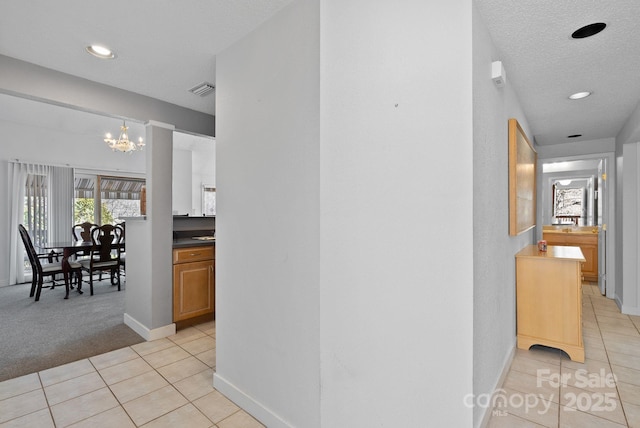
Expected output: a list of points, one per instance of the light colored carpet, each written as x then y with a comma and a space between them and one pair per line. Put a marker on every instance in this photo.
35, 336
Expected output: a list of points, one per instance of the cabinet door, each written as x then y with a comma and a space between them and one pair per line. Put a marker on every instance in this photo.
590, 267
193, 289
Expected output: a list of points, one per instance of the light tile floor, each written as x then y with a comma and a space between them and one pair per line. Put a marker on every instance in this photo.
164, 383
545, 388
168, 383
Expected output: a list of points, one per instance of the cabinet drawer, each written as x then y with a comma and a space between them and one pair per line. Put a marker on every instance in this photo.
570, 240
193, 254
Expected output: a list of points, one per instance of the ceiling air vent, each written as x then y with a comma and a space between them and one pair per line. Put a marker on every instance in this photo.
203, 89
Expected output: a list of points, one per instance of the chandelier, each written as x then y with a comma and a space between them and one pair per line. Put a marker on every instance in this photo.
123, 144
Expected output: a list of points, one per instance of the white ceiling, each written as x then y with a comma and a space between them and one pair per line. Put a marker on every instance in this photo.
163, 47
166, 47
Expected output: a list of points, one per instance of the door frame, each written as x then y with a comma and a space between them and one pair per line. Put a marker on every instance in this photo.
608, 214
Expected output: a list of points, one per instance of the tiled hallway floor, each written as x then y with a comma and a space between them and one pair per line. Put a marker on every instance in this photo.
545, 388
164, 383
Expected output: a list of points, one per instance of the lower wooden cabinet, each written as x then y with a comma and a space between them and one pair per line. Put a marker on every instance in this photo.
193, 282
549, 299
588, 243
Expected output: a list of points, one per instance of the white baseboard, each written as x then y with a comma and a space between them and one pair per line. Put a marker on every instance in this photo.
248, 404
147, 334
628, 310
484, 421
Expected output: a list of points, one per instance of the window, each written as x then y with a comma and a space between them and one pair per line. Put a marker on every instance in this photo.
208, 199
105, 199
568, 202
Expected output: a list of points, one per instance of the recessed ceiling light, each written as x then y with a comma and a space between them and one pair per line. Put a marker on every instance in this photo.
588, 30
100, 52
574, 136
579, 95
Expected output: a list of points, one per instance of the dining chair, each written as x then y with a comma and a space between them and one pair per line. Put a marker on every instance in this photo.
40, 270
104, 254
123, 252
82, 232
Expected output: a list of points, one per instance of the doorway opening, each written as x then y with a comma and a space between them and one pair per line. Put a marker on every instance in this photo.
578, 192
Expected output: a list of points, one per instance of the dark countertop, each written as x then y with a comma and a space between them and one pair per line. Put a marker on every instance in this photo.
189, 242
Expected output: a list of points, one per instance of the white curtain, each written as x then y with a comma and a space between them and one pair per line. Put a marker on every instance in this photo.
61, 204
48, 193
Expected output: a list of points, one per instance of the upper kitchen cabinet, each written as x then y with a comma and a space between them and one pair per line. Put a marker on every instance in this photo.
194, 165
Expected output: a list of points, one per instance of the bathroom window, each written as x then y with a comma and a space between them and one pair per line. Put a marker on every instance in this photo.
568, 204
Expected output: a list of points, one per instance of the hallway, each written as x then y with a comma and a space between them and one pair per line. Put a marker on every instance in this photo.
545, 388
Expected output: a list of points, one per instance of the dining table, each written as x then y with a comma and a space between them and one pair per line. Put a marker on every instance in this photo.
70, 248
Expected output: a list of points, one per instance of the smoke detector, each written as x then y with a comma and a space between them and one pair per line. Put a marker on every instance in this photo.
202, 89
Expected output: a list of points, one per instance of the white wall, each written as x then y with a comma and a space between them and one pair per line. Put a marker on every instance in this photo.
268, 219
182, 181
396, 163
197, 154
629, 297
619, 233
627, 214
149, 302
344, 292
204, 172
494, 323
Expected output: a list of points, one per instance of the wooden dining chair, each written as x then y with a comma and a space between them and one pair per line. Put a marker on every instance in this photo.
123, 252
104, 254
40, 270
82, 231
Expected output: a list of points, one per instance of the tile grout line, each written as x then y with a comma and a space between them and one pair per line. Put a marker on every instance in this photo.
171, 383
615, 378
41, 387
176, 389
111, 391
592, 293
46, 400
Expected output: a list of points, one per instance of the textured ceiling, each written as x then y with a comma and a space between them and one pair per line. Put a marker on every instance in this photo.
546, 65
166, 47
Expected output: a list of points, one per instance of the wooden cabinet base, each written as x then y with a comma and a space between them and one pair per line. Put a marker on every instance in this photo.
575, 352
549, 299
587, 241
193, 282
194, 321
